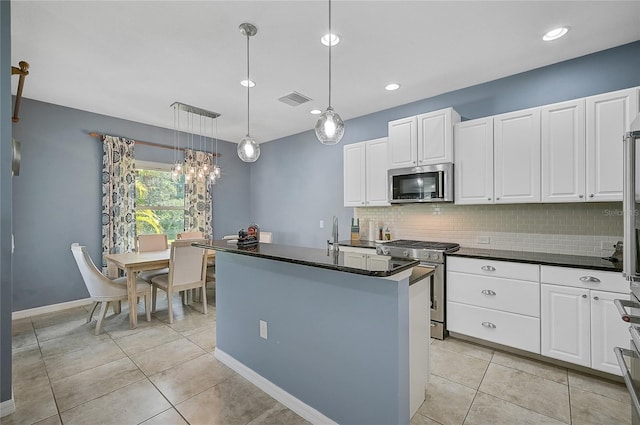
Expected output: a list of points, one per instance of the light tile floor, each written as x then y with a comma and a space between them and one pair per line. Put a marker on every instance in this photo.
166, 374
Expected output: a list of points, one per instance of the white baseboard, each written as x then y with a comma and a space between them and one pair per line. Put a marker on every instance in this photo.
293, 403
49, 308
7, 407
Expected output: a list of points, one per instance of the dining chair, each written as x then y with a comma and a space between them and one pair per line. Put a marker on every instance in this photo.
104, 290
187, 270
190, 235
152, 242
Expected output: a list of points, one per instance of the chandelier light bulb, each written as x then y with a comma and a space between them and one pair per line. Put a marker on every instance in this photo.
248, 149
329, 128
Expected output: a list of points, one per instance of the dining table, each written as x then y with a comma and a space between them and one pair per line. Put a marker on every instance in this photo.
134, 262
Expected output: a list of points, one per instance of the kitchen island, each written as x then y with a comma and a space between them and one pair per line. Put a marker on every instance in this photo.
336, 344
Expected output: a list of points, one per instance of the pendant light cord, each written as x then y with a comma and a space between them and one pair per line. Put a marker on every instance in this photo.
330, 43
248, 85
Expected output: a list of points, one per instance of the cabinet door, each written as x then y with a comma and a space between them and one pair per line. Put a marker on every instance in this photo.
517, 156
563, 152
376, 173
435, 136
607, 331
609, 116
565, 324
473, 169
403, 143
377, 262
354, 175
355, 260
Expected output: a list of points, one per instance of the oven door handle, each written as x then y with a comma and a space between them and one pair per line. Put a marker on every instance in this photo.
626, 374
629, 318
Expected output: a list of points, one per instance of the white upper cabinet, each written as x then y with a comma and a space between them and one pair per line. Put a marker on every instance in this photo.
422, 140
403, 142
516, 152
354, 174
609, 116
376, 172
365, 173
563, 152
473, 148
435, 136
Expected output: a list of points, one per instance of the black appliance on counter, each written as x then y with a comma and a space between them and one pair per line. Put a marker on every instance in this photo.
629, 359
430, 254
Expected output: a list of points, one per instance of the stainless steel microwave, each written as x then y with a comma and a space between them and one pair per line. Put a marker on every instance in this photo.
429, 183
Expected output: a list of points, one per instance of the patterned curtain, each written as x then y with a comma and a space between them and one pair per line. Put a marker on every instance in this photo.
198, 214
118, 196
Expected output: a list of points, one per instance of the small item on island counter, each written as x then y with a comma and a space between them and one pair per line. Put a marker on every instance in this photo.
372, 231
250, 237
387, 234
380, 233
355, 229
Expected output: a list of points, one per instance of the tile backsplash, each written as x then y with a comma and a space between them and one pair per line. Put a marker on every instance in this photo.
579, 229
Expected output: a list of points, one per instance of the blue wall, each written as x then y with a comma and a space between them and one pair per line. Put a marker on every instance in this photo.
337, 341
297, 181
57, 197
5, 200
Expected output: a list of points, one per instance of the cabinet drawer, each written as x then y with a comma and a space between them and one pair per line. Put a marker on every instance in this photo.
509, 329
582, 278
514, 296
494, 268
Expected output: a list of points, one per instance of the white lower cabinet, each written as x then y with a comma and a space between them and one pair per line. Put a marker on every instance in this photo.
496, 301
579, 322
364, 258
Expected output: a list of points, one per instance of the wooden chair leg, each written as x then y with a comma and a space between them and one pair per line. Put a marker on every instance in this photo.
93, 309
103, 313
170, 299
147, 305
117, 307
154, 292
203, 294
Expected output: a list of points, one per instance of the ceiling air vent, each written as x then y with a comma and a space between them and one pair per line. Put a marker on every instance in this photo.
294, 99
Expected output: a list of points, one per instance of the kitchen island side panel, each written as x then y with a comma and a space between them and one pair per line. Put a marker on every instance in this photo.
337, 341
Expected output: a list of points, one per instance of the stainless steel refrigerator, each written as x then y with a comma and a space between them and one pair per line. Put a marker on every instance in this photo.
629, 359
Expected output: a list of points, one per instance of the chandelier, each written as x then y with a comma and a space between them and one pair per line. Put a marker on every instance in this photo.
208, 169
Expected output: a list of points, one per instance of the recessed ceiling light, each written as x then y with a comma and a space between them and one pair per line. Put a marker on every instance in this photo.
556, 33
316, 111
250, 83
392, 86
334, 39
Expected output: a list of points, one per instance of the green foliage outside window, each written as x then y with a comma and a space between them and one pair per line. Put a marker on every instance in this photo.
159, 203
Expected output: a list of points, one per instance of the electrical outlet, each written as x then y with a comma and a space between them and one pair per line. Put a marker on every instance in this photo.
484, 239
606, 245
263, 329
322, 224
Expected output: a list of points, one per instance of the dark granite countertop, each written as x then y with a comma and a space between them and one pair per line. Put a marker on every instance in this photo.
562, 260
314, 257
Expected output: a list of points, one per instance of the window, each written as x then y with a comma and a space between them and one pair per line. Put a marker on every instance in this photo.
159, 200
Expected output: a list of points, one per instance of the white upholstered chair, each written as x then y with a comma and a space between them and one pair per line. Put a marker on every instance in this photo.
190, 235
152, 242
187, 270
104, 290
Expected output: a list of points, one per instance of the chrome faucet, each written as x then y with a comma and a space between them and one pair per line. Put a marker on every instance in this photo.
334, 245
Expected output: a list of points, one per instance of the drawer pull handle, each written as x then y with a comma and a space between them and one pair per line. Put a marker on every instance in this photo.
589, 279
488, 292
488, 268
488, 325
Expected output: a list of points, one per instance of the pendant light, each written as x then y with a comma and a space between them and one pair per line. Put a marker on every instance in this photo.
330, 127
248, 148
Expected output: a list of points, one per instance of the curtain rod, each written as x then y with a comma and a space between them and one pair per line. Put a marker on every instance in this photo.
140, 142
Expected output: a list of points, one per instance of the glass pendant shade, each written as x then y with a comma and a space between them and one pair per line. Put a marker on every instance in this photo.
248, 149
329, 128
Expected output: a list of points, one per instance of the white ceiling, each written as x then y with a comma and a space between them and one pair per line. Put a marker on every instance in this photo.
132, 59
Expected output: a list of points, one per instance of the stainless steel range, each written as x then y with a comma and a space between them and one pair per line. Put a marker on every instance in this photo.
431, 254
